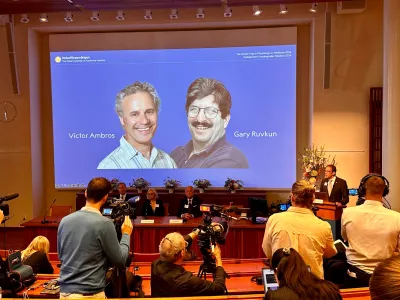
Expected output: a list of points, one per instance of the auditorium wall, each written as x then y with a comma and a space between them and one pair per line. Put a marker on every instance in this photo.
336, 117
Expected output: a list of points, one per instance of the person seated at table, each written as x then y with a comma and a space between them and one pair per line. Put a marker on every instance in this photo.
170, 279
153, 206
295, 280
36, 256
189, 207
384, 283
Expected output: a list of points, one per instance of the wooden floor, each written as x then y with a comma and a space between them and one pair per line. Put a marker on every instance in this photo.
239, 285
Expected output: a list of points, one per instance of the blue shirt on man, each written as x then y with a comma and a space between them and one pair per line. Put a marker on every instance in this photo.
86, 241
127, 157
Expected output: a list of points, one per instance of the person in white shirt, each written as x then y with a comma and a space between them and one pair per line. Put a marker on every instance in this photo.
300, 229
373, 232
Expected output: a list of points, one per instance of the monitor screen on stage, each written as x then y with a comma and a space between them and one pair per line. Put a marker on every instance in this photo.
205, 112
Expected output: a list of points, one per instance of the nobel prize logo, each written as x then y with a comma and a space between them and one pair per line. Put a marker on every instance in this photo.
57, 59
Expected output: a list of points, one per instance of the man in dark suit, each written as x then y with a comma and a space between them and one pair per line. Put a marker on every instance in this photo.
335, 187
123, 195
189, 207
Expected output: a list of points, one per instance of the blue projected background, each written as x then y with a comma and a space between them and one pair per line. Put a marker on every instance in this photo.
261, 81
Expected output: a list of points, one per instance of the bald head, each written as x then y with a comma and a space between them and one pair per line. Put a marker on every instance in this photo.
189, 191
171, 247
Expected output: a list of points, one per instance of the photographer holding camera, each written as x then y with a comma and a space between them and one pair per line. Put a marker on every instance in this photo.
170, 279
85, 241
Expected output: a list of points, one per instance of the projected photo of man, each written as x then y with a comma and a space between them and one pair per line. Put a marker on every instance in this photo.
208, 106
137, 106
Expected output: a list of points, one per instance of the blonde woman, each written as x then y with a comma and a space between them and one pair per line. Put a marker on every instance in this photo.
36, 256
153, 206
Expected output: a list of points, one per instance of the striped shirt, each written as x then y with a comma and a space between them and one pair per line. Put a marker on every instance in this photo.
127, 157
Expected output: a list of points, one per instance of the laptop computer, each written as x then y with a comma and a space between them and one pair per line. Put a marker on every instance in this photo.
322, 195
269, 280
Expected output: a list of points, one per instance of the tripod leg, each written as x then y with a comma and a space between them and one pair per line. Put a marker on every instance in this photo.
200, 273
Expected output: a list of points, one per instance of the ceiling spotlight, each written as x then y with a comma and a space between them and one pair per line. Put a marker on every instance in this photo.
314, 8
174, 14
200, 13
43, 18
25, 19
70, 1
228, 12
256, 10
69, 17
148, 15
120, 15
283, 9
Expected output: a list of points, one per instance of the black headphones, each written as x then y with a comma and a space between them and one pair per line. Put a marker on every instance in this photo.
362, 190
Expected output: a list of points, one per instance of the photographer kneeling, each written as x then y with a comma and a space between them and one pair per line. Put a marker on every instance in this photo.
170, 279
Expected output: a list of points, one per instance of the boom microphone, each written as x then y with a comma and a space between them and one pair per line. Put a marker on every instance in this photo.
9, 197
133, 200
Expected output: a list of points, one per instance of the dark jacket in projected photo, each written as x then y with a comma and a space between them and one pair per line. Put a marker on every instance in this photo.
339, 191
221, 154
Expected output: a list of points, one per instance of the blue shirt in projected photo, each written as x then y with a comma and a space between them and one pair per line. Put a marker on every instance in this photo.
127, 157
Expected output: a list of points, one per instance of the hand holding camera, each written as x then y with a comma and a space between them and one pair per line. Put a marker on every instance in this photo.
216, 253
127, 226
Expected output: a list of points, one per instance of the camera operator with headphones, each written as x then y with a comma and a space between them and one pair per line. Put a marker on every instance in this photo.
372, 231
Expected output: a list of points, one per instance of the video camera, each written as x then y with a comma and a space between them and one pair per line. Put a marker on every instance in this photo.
211, 233
118, 209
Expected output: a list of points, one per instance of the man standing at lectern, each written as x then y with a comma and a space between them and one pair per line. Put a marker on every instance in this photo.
335, 187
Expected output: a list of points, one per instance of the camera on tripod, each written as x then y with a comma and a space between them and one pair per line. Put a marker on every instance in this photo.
211, 233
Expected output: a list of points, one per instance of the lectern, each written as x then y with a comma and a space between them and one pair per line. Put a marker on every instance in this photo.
331, 213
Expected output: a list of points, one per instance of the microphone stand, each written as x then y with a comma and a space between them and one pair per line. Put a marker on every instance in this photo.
44, 221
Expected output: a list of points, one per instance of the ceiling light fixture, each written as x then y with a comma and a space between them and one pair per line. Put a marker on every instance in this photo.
95, 16
256, 10
43, 18
24, 19
148, 15
174, 14
200, 13
283, 9
120, 15
69, 17
314, 8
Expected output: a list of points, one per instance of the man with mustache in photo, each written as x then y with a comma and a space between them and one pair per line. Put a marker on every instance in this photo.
137, 106
208, 106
